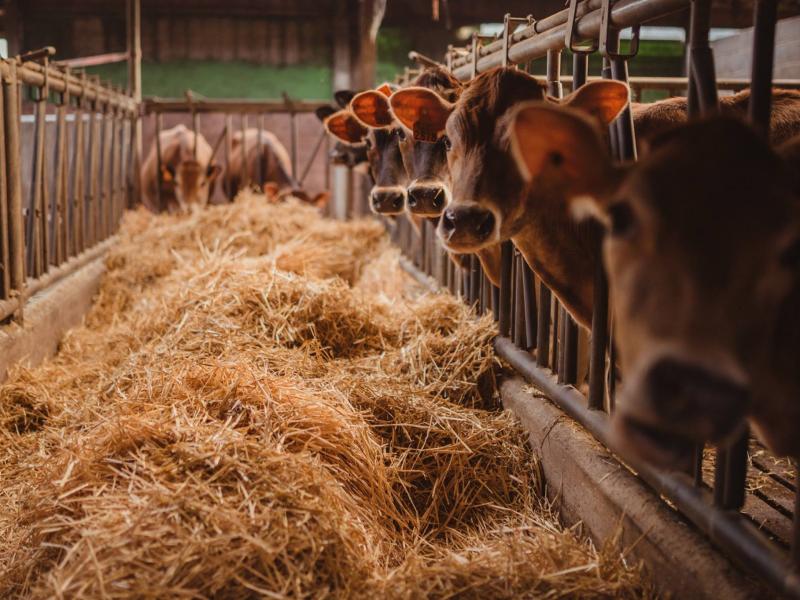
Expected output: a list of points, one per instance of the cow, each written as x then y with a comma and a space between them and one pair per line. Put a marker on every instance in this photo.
188, 175
491, 203
425, 156
348, 154
656, 117
702, 252
268, 163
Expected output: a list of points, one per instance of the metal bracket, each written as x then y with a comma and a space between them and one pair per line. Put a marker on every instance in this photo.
477, 40
509, 25
569, 35
605, 29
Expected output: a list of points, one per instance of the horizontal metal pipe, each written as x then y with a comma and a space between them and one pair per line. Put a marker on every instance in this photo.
729, 530
548, 34
55, 274
680, 83
161, 105
95, 60
33, 74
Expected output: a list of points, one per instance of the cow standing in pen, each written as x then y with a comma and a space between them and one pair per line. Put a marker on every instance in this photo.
188, 174
703, 256
260, 158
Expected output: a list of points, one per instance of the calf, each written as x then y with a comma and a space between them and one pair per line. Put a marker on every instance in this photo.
348, 154
265, 159
703, 257
652, 119
187, 174
491, 203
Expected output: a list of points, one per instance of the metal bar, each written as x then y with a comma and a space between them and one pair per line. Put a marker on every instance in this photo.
570, 350
294, 142
5, 262
16, 232
555, 344
548, 34
519, 304
94, 185
766, 14
597, 360
79, 149
529, 301
60, 215
474, 280
317, 145
506, 258
730, 473
95, 60
196, 131
244, 173
108, 144
580, 70
702, 88
796, 525
543, 326
228, 155
37, 224
159, 164
260, 145
201, 105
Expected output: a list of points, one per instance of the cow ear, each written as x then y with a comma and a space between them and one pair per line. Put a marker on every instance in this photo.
421, 110
344, 127
323, 112
343, 97
604, 100
371, 108
567, 148
387, 89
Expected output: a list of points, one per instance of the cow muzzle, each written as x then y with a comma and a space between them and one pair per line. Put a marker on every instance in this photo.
387, 201
674, 405
426, 200
466, 228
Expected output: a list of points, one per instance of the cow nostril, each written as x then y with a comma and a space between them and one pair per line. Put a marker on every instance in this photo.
398, 201
412, 200
438, 198
486, 226
448, 220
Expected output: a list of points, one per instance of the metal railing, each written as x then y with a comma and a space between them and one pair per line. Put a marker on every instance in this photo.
66, 172
249, 113
538, 337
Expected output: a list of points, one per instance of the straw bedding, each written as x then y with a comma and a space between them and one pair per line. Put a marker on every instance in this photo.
261, 404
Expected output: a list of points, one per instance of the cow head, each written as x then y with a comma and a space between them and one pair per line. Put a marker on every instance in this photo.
347, 154
422, 110
192, 182
371, 108
703, 256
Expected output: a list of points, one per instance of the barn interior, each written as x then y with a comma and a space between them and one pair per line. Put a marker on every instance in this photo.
277, 391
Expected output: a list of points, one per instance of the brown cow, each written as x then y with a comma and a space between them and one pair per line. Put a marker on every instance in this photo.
652, 119
490, 201
187, 179
271, 166
703, 257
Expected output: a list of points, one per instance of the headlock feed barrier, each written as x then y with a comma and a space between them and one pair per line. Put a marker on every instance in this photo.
539, 338
66, 172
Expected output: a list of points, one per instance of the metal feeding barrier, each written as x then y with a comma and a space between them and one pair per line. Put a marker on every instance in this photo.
245, 109
61, 201
539, 338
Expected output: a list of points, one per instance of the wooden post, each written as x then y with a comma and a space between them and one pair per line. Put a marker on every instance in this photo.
4, 224
134, 25
16, 237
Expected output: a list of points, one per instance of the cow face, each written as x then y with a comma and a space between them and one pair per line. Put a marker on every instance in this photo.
371, 108
702, 251
192, 183
347, 153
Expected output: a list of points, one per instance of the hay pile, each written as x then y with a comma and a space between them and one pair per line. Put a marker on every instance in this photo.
262, 404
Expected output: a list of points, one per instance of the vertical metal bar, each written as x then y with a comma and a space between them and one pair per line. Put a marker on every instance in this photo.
529, 300
570, 350
559, 354
78, 227
39, 218
196, 131
60, 216
243, 149
260, 146
159, 163
506, 257
625, 142
5, 279
580, 69
764, 19
796, 527
519, 305
228, 156
702, 92
597, 360
543, 326
474, 280
554, 86
556, 343
134, 44
16, 230
108, 148
114, 175
495, 301
94, 173
730, 472
293, 127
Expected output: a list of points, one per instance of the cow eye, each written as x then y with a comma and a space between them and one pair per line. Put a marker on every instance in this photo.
400, 134
368, 142
448, 145
622, 218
